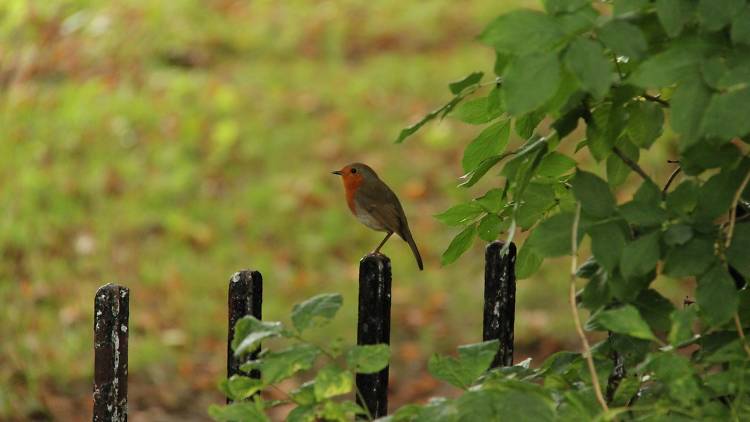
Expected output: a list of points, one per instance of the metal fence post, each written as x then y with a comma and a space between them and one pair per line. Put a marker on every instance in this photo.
500, 300
111, 314
374, 327
245, 298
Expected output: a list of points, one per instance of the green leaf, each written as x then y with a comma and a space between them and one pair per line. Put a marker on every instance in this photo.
655, 309
340, 411
623, 38
738, 254
607, 243
688, 106
683, 199
682, 325
469, 80
304, 394
690, 259
604, 129
530, 81
594, 194
677, 374
586, 61
521, 31
245, 411
477, 111
277, 366
596, 292
674, 14
554, 7
473, 360
617, 170
626, 390
492, 201
666, 68
249, 331
628, 289
640, 256
460, 244
368, 359
489, 227
717, 296
716, 14
555, 164
726, 116
526, 124
472, 177
240, 387
741, 27
643, 214
316, 311
623, 320
537, 199
527, 262
716, 195
332, 381
490, 142
553, 236
577, 22
645, 122
407, 132
506, 405
461, 214
678, 234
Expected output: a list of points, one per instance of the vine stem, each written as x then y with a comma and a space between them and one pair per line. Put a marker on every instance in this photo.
630, 163
574, 309
669, 181
741, 332
733, 211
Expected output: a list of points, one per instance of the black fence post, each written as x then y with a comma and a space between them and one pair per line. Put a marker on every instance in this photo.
374, 327
111, 314
500, 300
245, 298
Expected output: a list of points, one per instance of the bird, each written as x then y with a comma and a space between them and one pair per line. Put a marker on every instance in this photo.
375, 205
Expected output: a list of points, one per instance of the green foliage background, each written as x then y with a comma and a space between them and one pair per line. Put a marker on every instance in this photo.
164, 145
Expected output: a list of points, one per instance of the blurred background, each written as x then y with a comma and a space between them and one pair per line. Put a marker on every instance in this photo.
164, 145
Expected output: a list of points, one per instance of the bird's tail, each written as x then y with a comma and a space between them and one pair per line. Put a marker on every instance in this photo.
406, 235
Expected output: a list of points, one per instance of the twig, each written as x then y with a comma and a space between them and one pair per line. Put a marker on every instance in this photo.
630, 163
669, 181
741, 332
576, 317
655, 99
733, 211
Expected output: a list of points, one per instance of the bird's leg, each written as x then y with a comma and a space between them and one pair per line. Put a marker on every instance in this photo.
377, 250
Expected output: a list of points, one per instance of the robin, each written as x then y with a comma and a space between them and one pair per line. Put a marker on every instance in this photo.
375, 205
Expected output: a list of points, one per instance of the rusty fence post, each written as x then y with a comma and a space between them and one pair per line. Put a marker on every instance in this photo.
500, 300
245, 298
374, 327
111, 314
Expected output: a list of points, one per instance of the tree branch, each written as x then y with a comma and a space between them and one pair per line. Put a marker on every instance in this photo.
669, 181
733, 212
630, 163
655, 99
576, 317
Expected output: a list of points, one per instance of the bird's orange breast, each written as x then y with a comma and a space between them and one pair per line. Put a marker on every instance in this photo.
352, 182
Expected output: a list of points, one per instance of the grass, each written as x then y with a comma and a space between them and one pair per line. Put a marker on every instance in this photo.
165, 144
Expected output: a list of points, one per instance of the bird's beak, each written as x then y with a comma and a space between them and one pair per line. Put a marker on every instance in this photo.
336, 172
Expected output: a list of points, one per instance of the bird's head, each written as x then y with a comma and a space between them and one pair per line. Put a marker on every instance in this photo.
356, 173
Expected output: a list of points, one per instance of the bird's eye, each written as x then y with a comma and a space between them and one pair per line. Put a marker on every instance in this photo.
354, 170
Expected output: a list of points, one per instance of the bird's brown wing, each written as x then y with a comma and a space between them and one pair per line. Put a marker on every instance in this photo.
380, 201
382, 204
